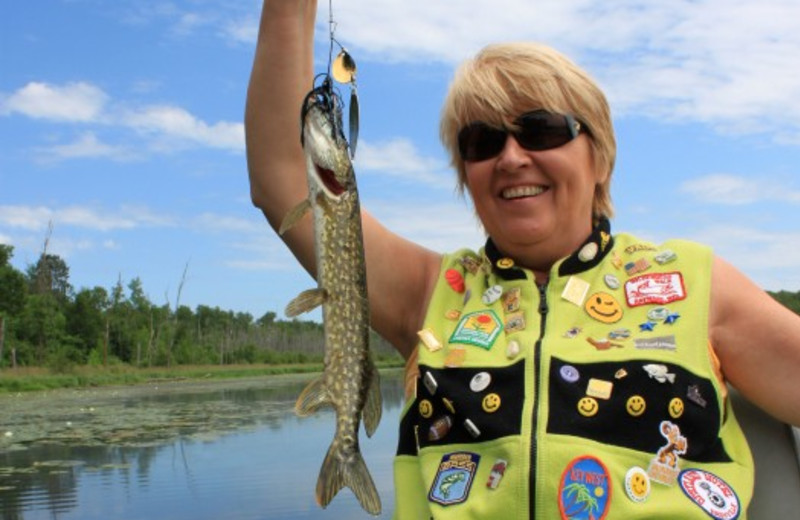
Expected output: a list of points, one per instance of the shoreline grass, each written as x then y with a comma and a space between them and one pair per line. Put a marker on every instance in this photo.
31, 379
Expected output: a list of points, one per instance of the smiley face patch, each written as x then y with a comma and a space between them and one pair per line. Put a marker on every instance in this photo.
603, 307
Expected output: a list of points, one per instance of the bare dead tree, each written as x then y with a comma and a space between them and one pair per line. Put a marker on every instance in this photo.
171, 344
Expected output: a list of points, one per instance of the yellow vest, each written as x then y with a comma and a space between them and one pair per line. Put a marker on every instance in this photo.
594, 396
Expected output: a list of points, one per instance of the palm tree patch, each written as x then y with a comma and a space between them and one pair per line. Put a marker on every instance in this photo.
585, 490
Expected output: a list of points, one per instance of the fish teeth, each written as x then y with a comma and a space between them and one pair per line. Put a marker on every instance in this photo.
522, 191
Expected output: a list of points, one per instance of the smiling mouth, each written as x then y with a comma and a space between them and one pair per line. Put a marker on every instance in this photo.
519, 192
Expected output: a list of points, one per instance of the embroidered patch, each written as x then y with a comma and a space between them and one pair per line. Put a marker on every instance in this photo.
478, 328
712, 494
603, 307
454, 478
585, 490
658, 288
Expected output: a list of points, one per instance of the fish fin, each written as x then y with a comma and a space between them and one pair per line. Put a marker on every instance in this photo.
351, 471
373, 406
305, 301
671, 378
294, 216
313, 396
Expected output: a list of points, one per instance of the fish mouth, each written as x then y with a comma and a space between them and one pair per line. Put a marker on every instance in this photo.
519, 192
328, 178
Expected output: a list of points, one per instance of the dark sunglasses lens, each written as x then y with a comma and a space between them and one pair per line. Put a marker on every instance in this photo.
479, 141
542, 131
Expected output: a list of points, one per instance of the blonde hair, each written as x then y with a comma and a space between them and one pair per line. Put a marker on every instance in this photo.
505, 80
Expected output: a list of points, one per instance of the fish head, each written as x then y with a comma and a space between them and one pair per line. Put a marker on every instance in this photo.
325, 145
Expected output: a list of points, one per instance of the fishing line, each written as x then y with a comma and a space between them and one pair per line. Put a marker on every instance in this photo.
343, 70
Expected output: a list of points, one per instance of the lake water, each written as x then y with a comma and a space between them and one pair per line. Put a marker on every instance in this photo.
212, 450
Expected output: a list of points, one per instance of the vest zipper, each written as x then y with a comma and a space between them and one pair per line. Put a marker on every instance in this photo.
537, 359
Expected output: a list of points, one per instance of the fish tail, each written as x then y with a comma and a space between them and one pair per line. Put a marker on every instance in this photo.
339, 470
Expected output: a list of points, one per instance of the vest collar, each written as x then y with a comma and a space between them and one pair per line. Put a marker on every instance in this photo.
590, 253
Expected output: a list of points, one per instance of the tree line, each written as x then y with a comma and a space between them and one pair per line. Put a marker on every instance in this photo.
45, 322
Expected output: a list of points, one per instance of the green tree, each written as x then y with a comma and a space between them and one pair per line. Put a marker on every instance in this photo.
788, 299
13, 291
50, 274
42, 325
87, 321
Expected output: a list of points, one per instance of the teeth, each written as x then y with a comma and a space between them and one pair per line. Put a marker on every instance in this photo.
522, 191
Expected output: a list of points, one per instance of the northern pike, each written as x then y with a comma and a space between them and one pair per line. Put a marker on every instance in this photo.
350, 382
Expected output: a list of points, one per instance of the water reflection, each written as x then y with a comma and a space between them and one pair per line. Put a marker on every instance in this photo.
214, 450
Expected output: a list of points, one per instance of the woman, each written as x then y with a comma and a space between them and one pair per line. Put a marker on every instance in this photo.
563, 369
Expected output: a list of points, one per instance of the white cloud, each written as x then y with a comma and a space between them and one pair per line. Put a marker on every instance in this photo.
173, 122
442, 227
72, 102
225, 223
87, 145
37, 218
760, 253
165, 127
727, 63
400, 158
25, 217
242, 31
737, 190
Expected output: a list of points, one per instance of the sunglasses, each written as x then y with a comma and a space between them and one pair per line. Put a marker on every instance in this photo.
537, 130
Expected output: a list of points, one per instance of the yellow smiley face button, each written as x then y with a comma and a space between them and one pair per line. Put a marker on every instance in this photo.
491, 403
588, 406
425, 409
635, 405
637, 484
676, 407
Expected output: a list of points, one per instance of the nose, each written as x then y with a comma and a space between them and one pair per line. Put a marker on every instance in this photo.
512, 156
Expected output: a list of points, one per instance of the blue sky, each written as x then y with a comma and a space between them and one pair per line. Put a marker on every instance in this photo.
121, 124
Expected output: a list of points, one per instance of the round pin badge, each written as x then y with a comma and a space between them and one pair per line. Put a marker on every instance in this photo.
491, 403
505, 263
569, 373
588, 252
480, 382
425, 409
637, 484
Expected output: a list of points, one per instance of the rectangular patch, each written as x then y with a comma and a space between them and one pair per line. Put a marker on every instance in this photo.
654, 288
660, 343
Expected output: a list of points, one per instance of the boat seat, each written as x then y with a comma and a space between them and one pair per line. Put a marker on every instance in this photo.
776, 452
